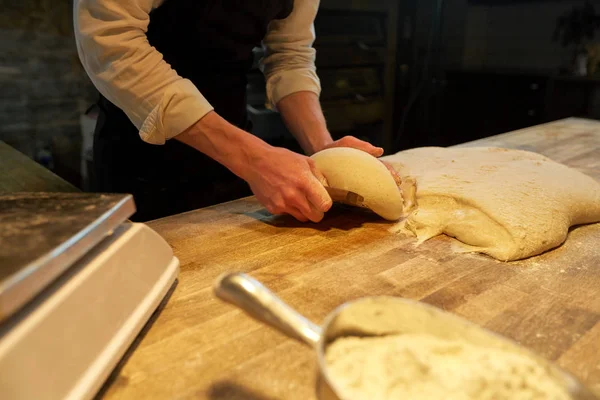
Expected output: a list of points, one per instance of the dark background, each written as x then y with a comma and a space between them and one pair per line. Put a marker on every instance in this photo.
398, 73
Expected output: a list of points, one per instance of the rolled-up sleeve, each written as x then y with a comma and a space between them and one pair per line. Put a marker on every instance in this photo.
289, 61
128, 71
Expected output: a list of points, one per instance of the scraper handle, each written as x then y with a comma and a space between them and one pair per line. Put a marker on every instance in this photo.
263, 305
345, 197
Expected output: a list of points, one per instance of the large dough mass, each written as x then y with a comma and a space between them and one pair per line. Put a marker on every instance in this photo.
509, 204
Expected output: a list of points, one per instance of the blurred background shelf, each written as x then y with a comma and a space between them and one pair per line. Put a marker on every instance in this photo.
397, 73
356, 44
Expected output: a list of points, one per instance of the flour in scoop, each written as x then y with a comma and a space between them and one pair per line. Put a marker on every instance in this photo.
423, 367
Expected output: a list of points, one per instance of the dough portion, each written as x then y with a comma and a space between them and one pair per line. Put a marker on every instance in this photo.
359, 172
421, 366
509, 204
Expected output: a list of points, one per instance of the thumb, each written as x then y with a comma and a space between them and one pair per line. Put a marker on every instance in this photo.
318, 196
315, 171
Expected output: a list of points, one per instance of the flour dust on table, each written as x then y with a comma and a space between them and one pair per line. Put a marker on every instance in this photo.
509, 204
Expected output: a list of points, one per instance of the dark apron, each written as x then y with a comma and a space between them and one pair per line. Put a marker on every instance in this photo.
210, 43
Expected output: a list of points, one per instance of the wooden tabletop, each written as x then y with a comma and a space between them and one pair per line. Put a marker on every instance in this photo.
19, 173
200, 348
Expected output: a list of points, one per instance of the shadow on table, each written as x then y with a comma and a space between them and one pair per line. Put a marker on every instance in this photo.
234, 391
340, 217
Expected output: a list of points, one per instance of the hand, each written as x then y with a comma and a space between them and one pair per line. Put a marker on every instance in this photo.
288, 183
283, 181
355, 143
304, 118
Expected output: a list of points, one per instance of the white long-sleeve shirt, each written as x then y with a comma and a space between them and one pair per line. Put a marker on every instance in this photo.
115, 52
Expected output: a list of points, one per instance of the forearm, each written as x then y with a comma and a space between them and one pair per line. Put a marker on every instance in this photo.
302, 115
115, 52
224, 143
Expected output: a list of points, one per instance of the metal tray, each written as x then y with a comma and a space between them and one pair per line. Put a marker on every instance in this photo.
43, 234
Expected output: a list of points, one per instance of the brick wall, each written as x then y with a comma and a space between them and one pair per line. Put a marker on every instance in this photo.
43, 87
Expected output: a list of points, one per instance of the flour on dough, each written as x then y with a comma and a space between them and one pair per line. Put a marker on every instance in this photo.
509, 204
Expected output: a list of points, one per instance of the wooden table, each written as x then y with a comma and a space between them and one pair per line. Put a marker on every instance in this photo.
200, 348
19, 173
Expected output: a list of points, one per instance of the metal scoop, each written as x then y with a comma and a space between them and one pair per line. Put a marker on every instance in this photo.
369, 316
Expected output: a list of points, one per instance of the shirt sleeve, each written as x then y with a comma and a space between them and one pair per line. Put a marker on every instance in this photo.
289, 61
115, 52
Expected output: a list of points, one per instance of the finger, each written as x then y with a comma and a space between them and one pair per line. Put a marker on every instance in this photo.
296, 213
351, 141
320, 177
297, 205
377, 152
308, 210
276, 205
315, 214
297, 199
317, 196
311, 212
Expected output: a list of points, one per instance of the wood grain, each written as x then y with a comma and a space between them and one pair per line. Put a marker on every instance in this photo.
201, 348
18, 173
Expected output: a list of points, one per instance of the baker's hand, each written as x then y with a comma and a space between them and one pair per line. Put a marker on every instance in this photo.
355, 143
288, 183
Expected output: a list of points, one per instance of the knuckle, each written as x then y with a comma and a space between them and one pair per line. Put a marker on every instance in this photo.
289, 194
303, 185
276, 207
279, 206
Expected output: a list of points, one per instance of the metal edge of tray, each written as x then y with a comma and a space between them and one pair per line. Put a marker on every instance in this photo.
22, 287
